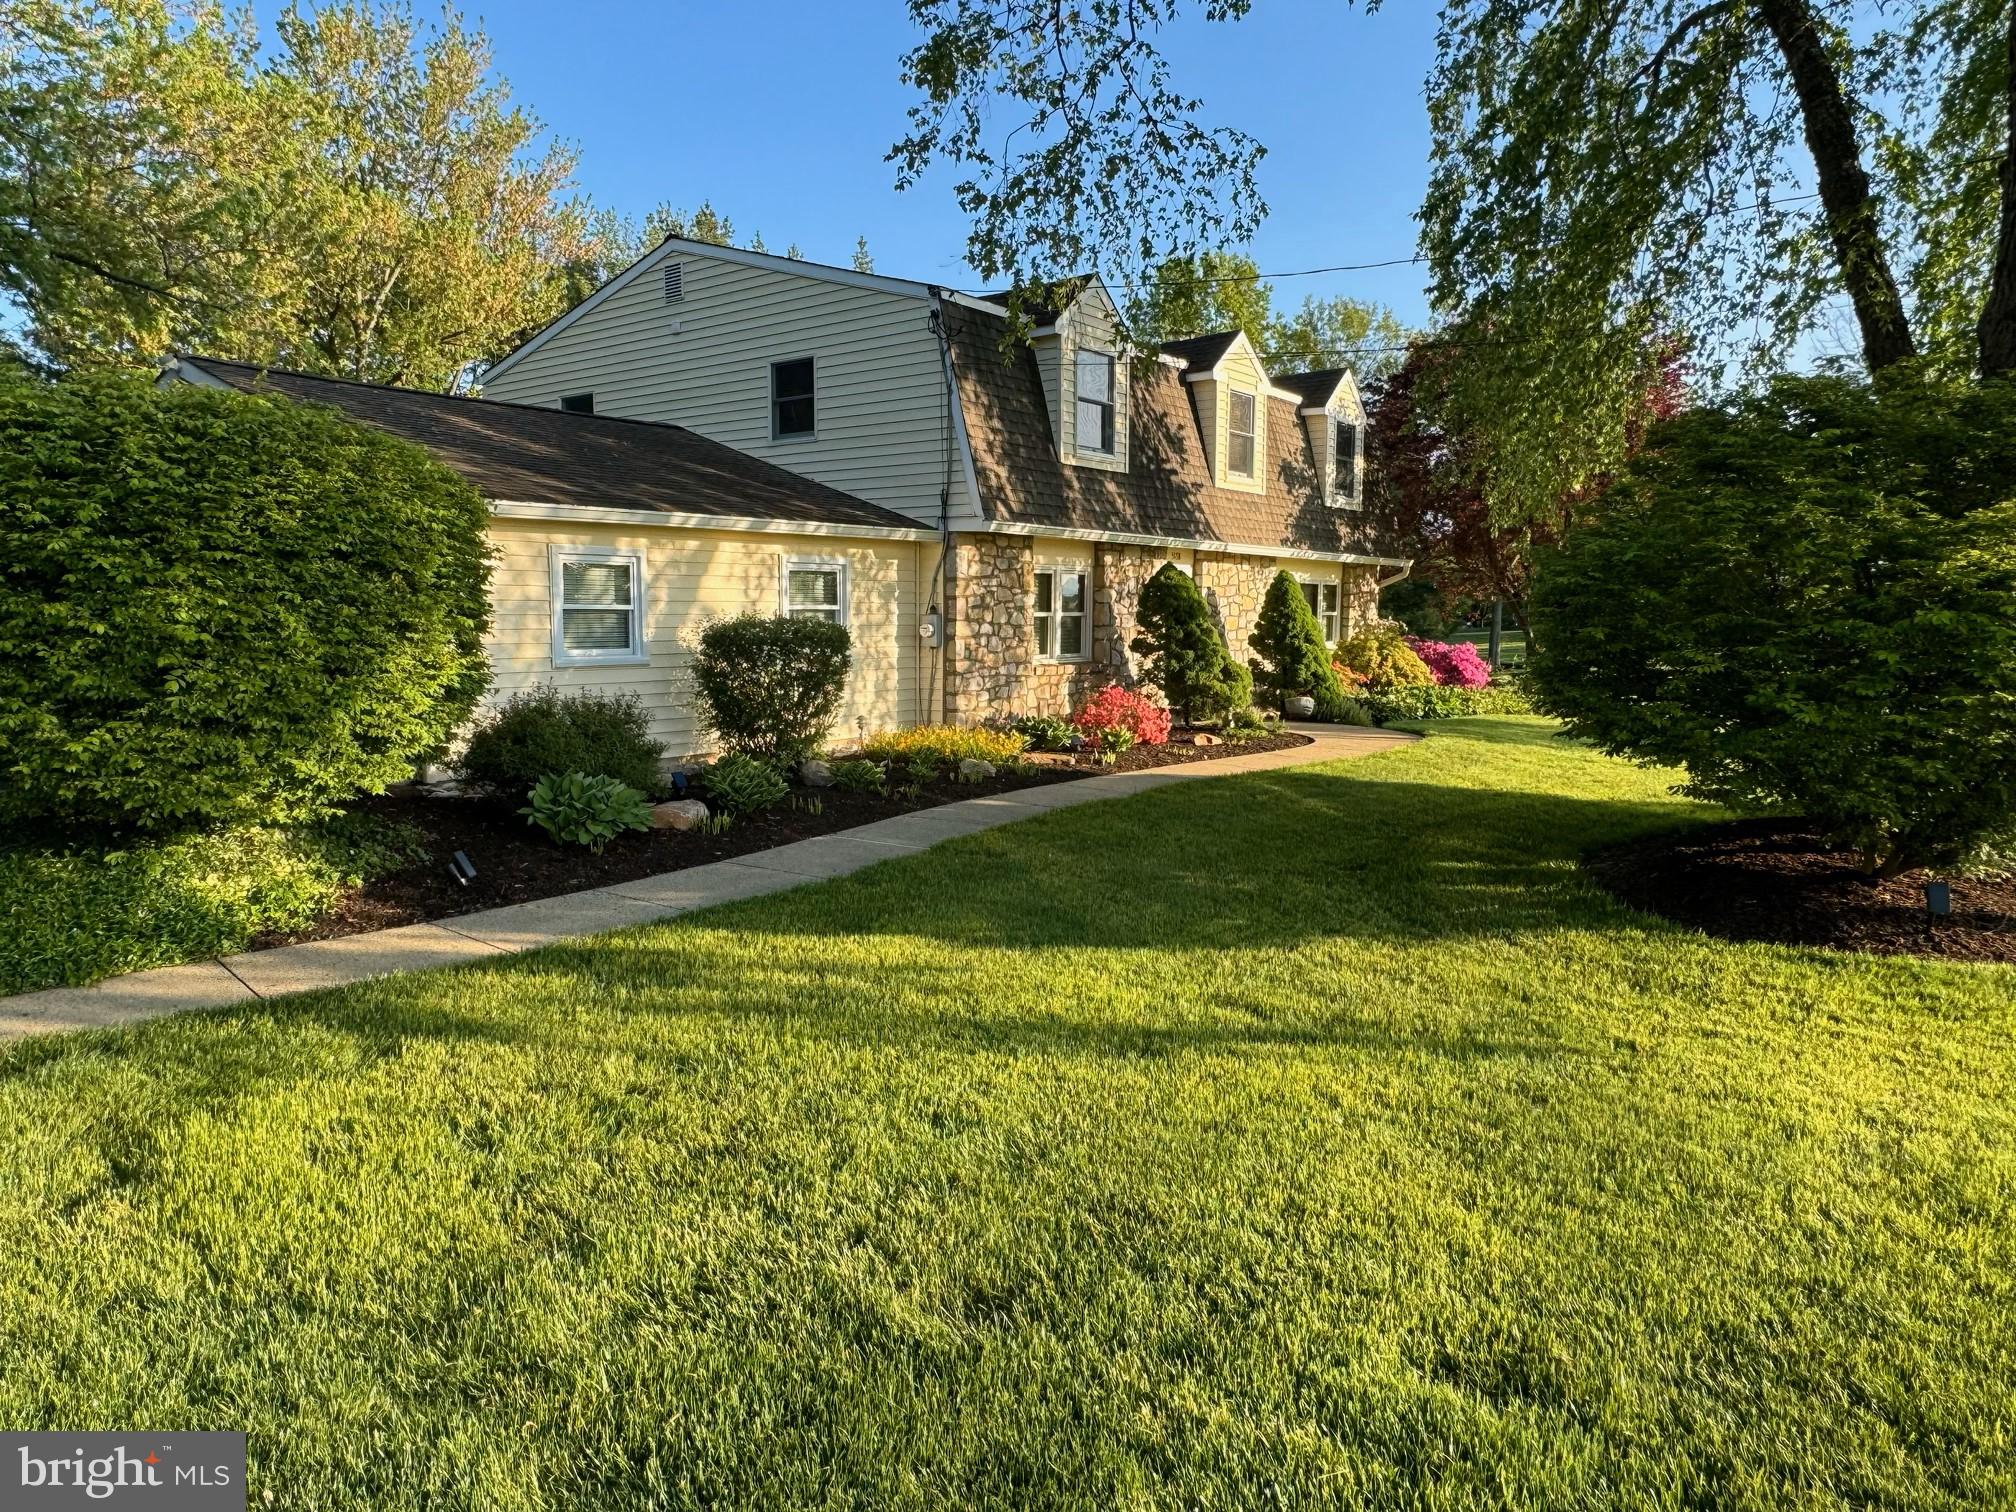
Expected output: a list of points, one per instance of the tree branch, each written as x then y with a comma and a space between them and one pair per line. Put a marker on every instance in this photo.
1996, 333
1657, 62
1829, 124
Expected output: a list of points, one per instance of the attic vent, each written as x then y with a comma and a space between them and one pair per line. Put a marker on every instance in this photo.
675, 282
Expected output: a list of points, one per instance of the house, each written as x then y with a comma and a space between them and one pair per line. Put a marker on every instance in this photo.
717, 430
616, 541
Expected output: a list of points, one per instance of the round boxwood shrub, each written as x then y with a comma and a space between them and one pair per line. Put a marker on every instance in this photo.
545, 731
216, 606
1807, 599
770, 687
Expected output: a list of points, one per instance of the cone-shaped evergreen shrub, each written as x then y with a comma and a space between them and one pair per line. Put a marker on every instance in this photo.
1186, 656
1289, 655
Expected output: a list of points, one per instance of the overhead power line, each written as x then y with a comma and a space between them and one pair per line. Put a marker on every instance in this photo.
1400, 262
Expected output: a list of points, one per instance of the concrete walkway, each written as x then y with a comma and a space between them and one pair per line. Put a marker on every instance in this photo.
493, 932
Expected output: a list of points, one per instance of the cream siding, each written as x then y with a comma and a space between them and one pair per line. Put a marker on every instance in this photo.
692, 577
1321, 433
704, 363
1091, 323
1239, 371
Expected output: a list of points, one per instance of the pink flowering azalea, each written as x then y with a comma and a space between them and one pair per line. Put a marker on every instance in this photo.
1454, 665
1116, 708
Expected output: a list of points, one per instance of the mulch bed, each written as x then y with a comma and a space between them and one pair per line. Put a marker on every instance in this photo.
516, 863
1772, 880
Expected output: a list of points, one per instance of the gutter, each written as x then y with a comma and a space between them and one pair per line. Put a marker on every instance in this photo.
1191, 543
578, 514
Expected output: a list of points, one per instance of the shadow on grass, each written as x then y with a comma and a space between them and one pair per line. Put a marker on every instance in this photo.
1187, 893
1273, 862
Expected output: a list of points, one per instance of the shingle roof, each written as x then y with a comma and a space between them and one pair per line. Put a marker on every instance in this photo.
1201, 352
1167, 489
524, 454
1045, 304
1315, 388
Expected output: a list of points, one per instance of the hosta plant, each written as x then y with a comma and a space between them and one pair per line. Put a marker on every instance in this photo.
577, 808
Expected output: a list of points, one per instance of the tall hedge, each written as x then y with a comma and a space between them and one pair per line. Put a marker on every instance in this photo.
220, 607
1807, 599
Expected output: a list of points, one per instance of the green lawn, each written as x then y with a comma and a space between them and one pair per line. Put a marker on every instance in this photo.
1318, 1137
1511, 642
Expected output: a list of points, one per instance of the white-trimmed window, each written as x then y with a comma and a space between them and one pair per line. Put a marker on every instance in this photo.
1323, 603
598, 606
1350, 438
1060, 614
814, 588
1095, 403
1239, 458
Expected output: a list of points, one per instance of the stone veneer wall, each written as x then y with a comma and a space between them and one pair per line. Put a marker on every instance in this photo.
1236, 586
990, 666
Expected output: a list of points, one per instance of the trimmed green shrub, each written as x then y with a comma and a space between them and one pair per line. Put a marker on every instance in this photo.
219, 607
1287, 639
1381, 658
1807, 599
770, 687
544, 730
577, 809
1185, 654
738, 785
71, 916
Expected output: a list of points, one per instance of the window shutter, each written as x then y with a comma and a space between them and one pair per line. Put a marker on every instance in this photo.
675, 282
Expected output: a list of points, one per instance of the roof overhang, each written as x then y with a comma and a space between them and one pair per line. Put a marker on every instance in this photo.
1186, 543
658, 519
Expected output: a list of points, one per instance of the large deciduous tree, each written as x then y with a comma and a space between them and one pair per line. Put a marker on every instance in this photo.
1426, 488
1608, 175
353, 195
1224, 291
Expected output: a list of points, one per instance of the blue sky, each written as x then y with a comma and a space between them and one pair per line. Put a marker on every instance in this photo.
781, 113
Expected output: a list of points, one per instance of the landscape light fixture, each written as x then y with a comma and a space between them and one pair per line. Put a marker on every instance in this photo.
462, 869
1938, 899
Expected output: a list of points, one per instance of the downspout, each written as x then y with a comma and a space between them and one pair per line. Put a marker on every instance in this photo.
941, 653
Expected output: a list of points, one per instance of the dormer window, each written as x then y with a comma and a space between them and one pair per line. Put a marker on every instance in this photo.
1349, 439
1095, 403
1239, 457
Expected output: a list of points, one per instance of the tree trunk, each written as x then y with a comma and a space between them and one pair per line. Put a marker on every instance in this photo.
1844, 186
1997, 330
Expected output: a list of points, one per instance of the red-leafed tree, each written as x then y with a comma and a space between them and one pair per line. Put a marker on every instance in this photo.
1427, 486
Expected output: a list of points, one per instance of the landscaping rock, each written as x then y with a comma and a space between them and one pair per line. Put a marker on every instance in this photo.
680, 814
814, 773
972, 770
1205, 740
1301, 707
